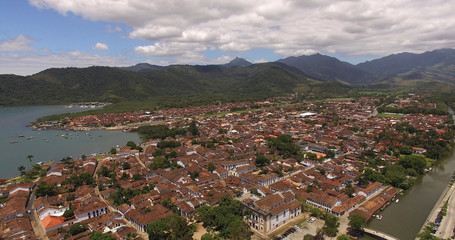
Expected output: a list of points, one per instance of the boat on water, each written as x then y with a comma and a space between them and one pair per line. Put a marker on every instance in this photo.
13, 142
397, 200
378, 217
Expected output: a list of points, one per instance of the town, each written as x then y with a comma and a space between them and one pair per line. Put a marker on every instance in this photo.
244, 170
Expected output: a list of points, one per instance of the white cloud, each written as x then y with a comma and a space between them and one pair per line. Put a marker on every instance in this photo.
100, 46
170, 49
35, 60
184, 29
20, 43
111, 29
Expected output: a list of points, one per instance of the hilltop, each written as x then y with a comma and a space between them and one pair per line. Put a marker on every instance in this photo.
316, 75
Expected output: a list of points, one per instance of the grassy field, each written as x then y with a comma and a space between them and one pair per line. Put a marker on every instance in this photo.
390, 115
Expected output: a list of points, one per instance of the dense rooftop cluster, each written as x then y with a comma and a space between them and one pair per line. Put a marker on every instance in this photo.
337, 156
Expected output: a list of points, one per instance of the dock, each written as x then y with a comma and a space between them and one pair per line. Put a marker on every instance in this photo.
379, 234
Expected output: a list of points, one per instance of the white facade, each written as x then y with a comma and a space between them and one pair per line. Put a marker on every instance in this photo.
93, 213
52, 211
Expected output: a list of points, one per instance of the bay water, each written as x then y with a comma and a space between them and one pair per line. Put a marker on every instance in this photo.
17, 141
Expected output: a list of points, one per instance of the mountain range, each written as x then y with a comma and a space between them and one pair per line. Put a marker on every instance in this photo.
236, 80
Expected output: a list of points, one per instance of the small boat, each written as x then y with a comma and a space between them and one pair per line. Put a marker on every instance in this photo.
397, 200
29, 137
13, 142
378, 217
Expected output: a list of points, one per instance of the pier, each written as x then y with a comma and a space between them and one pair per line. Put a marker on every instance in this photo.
379, 234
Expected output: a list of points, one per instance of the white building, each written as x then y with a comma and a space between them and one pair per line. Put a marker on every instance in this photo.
272, 211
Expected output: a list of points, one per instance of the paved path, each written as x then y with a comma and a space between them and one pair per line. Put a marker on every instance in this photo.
141, 234
445, 230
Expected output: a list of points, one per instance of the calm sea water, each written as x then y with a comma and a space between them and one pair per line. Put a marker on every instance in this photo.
48, 145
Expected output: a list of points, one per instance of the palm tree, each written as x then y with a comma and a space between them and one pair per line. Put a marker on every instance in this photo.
21, 169
30, 156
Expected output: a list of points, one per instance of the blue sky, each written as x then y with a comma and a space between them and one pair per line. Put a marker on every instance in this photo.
40, 34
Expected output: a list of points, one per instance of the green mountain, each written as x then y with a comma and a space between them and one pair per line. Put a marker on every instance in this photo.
328, 69
403, 63
313, 76
240, 62
212, 83
435, 65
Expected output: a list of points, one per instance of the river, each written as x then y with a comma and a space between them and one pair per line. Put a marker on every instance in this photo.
17, 141
404, 219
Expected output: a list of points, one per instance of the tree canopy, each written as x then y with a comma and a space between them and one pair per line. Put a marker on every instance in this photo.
357, 222
225, 218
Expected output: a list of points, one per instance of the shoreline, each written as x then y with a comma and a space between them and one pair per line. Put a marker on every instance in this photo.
82, 129
439, 205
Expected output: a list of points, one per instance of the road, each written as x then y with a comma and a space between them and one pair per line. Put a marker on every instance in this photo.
448, 222
141, 235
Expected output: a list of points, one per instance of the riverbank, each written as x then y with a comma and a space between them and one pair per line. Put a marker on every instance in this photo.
418, 204
448, 193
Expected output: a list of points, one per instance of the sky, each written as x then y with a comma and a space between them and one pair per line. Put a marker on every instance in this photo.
40, 34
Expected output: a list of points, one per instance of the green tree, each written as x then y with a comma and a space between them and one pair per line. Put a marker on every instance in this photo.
137, 177
180, 230
101, 236
331, 225
160, 162
126, 165
395, 175
262, 160
167, 203
131, 144
357, 222
426, 233
113, 151
193, 129
70, 212
157, 230
30, 157
226, 218
349, 190
43, 190
315, 212
104, 172
77, 228
415, 162
343, 237
285, 145
125, 176
319, 234
211, 167
308, 237
238, 230
194, 175
21, 169
406, 150
168, 144
207, 236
